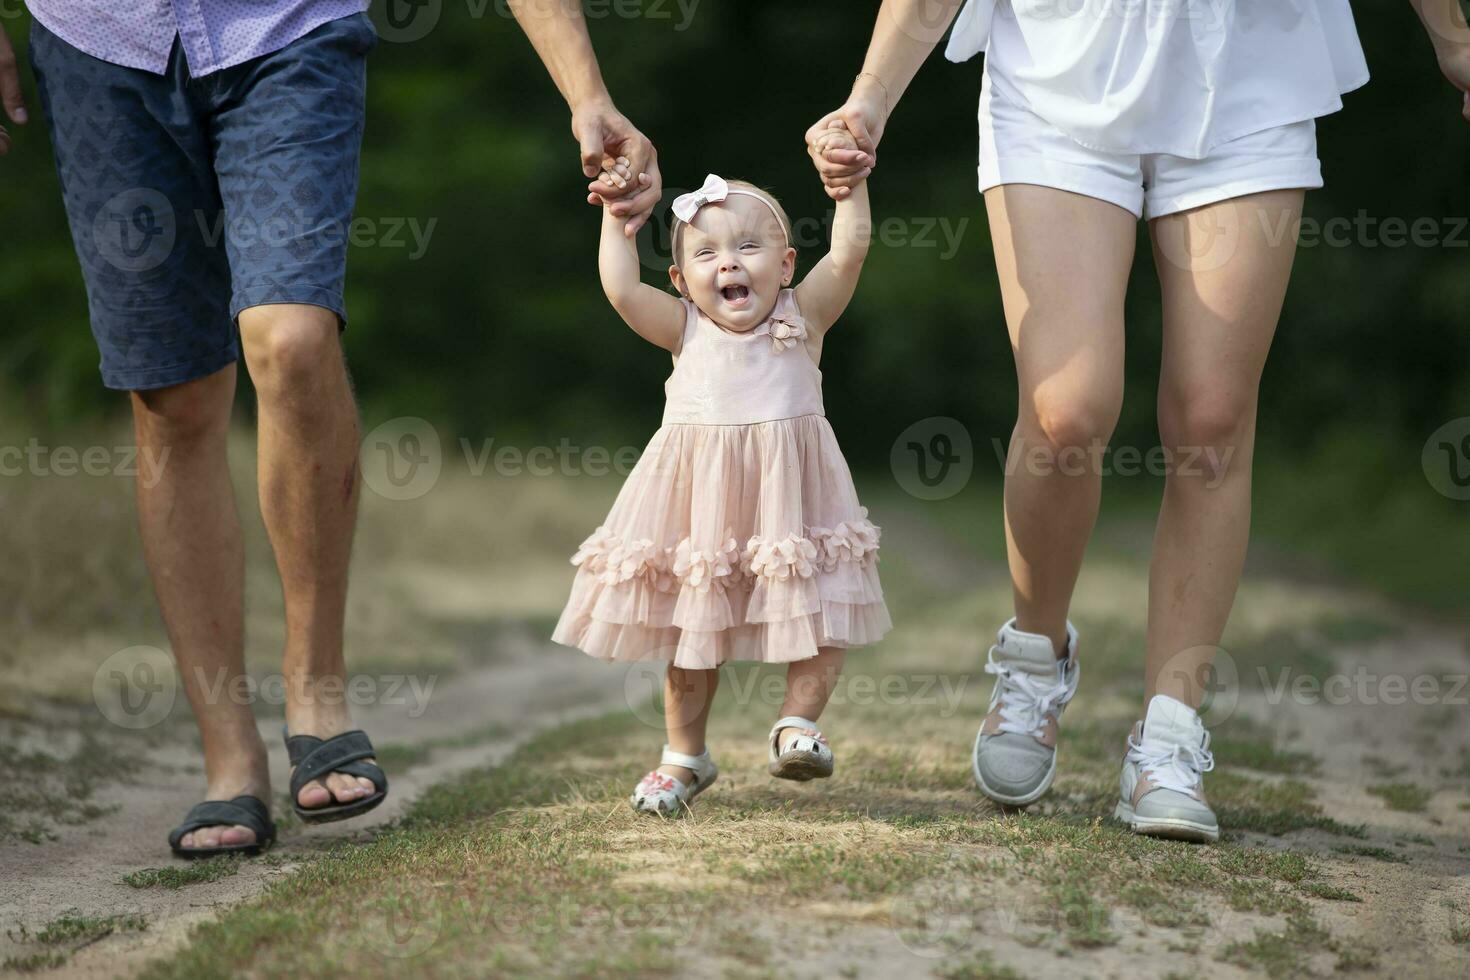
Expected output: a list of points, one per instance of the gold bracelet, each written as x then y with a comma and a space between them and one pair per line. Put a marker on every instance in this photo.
887, 108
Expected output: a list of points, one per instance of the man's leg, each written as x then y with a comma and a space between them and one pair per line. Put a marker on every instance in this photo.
133, 164
287, 131
191, 540
308, 499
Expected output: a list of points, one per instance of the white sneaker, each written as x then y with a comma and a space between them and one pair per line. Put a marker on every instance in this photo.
666, 796
1161, 791
1015, 756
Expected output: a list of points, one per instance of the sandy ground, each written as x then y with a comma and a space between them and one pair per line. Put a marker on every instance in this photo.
81, 868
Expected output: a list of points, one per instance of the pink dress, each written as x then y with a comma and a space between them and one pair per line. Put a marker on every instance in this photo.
738, 535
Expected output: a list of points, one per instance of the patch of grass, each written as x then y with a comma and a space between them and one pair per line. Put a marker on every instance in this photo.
1288, 866
981, 966
1282, 953
1405, 797
41, 789
1332, 893
175, 877
1263, 756
1419, 839
1273, 808
72, 926
35, 962
1371, 851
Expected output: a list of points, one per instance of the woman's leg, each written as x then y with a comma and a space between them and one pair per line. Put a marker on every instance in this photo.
688, 696
1063, 261
1224, 271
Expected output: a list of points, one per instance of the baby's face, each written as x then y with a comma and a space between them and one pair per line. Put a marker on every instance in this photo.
735, 261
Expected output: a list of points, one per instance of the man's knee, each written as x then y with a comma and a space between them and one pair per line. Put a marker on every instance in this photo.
186, 415
290, 348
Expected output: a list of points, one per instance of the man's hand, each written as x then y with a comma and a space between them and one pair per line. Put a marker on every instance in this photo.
15, 109
612, 145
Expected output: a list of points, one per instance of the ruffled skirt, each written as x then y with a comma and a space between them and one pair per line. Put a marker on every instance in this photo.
730, 542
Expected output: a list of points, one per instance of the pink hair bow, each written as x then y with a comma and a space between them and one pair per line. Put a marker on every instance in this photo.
715, 190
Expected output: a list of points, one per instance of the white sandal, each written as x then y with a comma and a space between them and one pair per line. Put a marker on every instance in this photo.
664, 795
807, 756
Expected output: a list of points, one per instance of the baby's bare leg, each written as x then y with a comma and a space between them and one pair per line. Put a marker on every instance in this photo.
809, 686
688, 696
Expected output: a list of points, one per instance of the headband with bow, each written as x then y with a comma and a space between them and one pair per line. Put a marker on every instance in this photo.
715, 190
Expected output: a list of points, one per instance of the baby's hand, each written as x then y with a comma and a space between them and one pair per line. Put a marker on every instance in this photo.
835, 137
616, 173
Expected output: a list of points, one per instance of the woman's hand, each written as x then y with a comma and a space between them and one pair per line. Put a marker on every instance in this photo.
1455, 63
864, 116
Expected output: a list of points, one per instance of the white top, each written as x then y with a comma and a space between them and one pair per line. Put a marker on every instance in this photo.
1165, 76
726, 378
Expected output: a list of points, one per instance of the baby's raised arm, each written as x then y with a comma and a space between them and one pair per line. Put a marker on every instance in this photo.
653, 314
828, 288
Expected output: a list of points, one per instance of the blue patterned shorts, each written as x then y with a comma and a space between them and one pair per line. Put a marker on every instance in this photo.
191, 199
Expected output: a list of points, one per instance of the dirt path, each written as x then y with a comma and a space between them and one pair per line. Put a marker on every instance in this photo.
1374, 752
470, 718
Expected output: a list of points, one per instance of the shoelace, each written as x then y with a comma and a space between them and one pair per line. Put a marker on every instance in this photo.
1026, 701
1172, 766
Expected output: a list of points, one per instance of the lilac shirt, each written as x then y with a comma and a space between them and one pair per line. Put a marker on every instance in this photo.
215, 34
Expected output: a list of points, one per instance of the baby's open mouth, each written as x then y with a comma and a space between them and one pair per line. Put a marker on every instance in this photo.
734, 294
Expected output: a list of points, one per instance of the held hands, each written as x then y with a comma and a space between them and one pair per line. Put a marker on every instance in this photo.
843, 166
15, 108
620, 162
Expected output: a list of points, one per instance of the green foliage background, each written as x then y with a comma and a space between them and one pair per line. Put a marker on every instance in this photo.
501, 329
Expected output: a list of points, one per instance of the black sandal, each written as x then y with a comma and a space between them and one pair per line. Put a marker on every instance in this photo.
246, 811
314, 758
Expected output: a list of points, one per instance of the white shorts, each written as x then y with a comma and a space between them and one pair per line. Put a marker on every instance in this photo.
1019, 147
